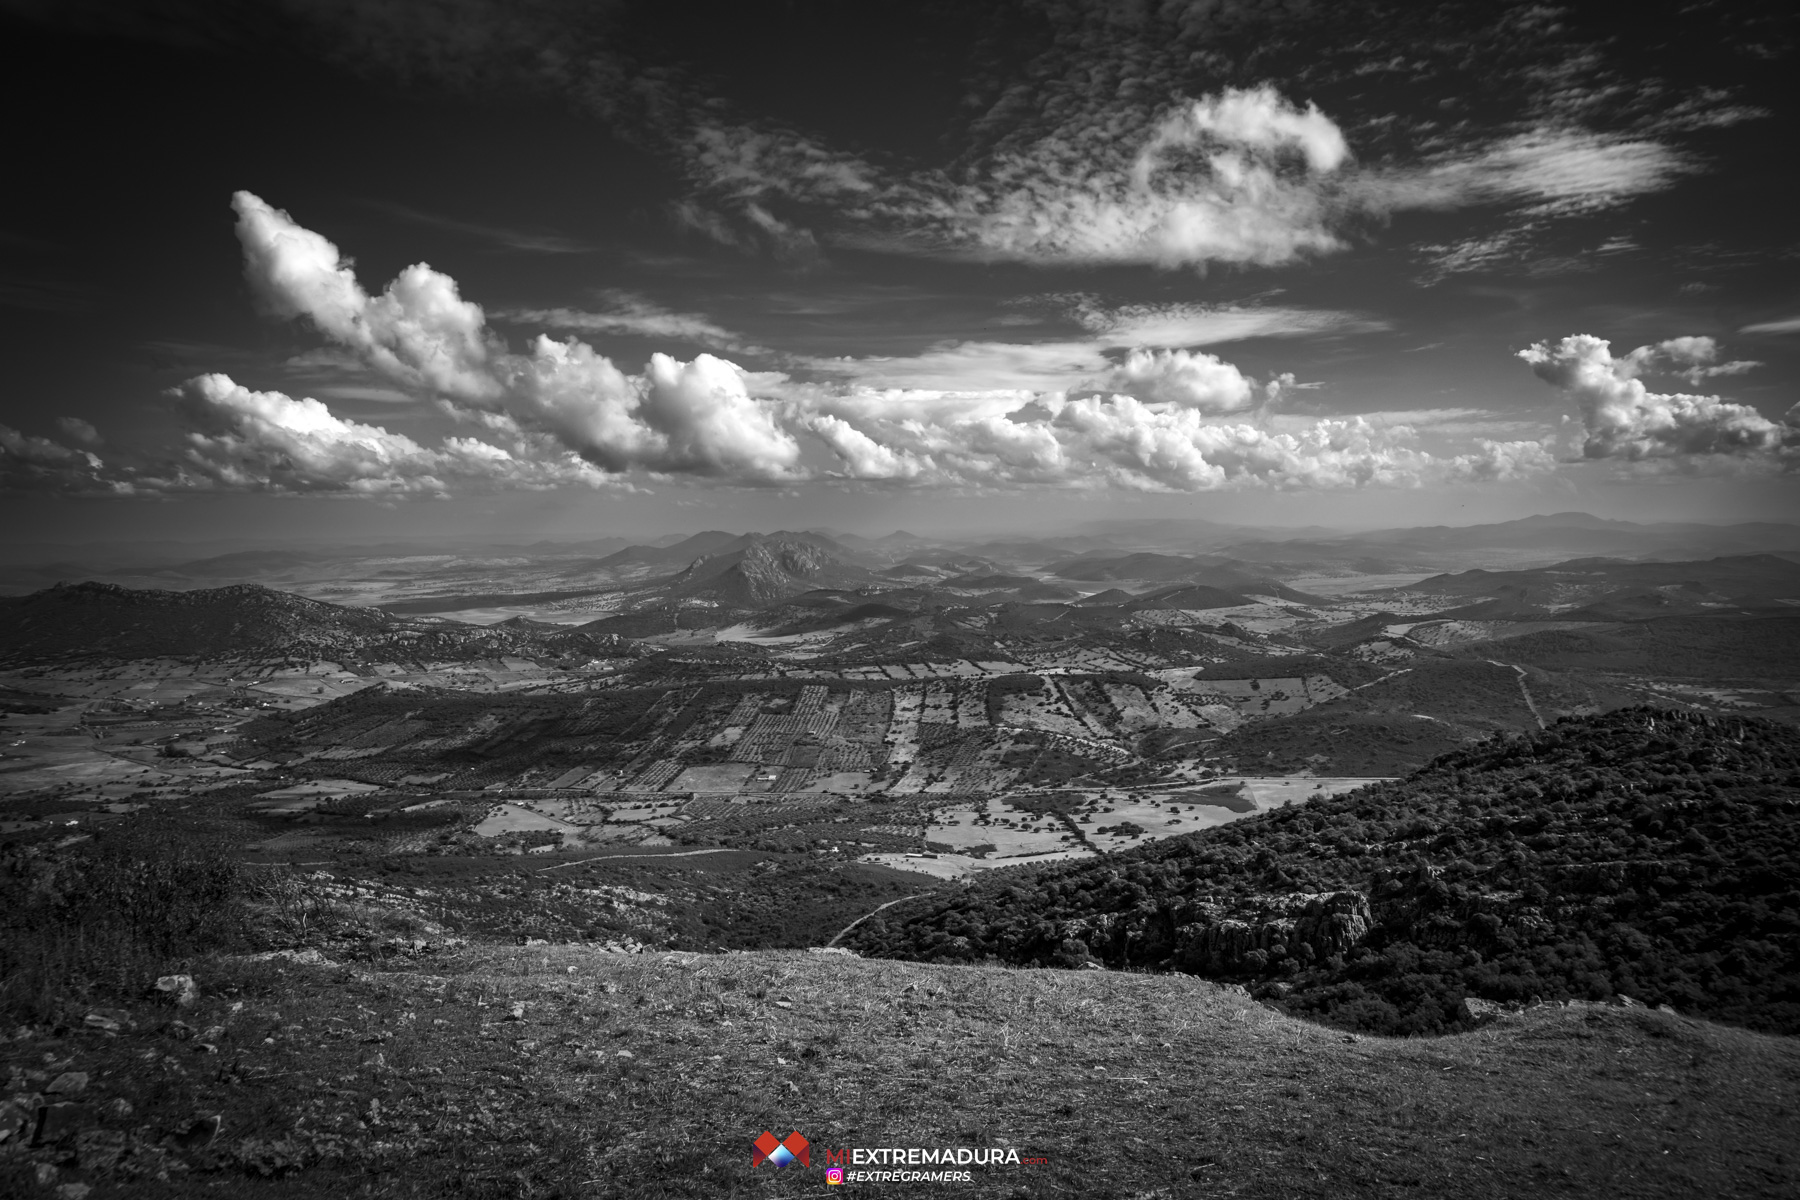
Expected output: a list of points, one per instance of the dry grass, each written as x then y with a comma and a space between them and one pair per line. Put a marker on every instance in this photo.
649, 1076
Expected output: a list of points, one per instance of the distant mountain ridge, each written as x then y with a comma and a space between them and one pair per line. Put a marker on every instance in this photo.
1747, 578
766, 571
88, 621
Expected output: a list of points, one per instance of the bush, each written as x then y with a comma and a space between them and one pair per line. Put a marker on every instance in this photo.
105, 920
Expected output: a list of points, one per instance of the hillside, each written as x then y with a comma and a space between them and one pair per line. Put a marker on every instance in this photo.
97, 621
766, 571
1220, 574
681, 553
1644, 853
1740, 579
568, 1071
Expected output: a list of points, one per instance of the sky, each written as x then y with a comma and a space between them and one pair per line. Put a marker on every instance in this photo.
542, 269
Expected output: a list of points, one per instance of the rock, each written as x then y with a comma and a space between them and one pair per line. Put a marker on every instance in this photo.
181, 1031
72, 1191
1482, 1012
517, 1012
69, 1083
1627, 1002
119, 1108
1664, 1008
214, 1033
200, 1133
47, 1174
180, 990
107, 1020
55, 1122
308, 957
843, 950
18, 1117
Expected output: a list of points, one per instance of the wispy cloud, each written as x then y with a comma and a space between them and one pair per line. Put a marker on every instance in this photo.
1189, 325
630, 314
1785, 325
499, 235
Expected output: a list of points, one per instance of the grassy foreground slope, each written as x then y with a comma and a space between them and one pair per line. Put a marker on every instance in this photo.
1642, 853
560, 1071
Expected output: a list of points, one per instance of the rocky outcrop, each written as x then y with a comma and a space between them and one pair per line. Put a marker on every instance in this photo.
1302, 924
1221, 939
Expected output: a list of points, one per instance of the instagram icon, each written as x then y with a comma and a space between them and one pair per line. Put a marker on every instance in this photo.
834, 1175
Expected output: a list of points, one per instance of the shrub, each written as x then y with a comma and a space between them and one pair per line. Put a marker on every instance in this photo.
106, 919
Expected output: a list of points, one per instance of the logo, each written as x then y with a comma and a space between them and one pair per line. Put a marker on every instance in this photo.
834, 1175
794, 1149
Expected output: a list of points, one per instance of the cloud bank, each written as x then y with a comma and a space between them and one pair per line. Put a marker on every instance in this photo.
558, 413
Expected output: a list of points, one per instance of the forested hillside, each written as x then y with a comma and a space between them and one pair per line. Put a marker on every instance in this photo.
1643, 853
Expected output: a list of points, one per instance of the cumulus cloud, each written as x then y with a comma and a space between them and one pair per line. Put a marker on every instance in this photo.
1101, 441
40, 464
968, 414
696, 418
419, 331
1625, 420
1182, 380
79, 430
266, 441
1692, 358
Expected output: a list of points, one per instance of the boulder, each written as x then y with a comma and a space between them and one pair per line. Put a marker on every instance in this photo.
179, 990
69, 1083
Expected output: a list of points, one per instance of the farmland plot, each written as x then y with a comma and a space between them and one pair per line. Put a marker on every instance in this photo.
714, 777
1136, 712
938, 704
903, 727
971, 705
1043, 709
1089, 704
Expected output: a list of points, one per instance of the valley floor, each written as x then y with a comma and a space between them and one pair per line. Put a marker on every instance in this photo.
561, 1071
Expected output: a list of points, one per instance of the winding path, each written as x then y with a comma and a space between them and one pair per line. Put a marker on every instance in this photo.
1525, 692
611, 857
852, 925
